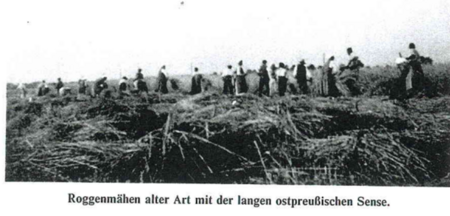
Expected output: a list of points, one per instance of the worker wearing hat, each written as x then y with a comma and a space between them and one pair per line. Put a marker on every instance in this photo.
300, 74
241, 83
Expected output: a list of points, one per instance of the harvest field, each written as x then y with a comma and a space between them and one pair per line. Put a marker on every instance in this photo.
179, 138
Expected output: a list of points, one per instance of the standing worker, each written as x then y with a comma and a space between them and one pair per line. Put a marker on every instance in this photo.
162, 80
281, 73
82, 86
59, 85
241, 83
301, 75
227, 77
263, 79
43, 89
273, 80
328, 83
416, 77
351, 78
196, 86
139, 76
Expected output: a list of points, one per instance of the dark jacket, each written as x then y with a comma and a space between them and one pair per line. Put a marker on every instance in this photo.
139, 76
263, 72
301, 73
59, 85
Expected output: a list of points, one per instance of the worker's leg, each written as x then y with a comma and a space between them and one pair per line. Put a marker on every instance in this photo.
266, 87
261, 86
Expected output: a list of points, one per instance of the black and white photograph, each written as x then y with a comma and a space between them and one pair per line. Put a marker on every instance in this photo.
317, 93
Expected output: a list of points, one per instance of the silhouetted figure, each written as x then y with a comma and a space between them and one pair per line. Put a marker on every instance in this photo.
227, 77
241, 83
139, 75
282, 79
300, 74
139, 83
272, 80
399, 89
162, 81
415, 78
264, 79
59, 85
196, 86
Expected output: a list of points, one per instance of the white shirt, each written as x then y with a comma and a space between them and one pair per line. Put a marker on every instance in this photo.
238, 71
164, 72
122, 81
400, 61
333, 67
294, 73
352, 56
281, 72
227, 72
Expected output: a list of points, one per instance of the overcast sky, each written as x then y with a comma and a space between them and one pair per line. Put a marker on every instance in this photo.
50, 39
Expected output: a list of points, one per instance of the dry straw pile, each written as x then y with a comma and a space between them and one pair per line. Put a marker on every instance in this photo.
206, 139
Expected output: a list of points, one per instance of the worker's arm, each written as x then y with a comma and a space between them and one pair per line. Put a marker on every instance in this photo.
411, 57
